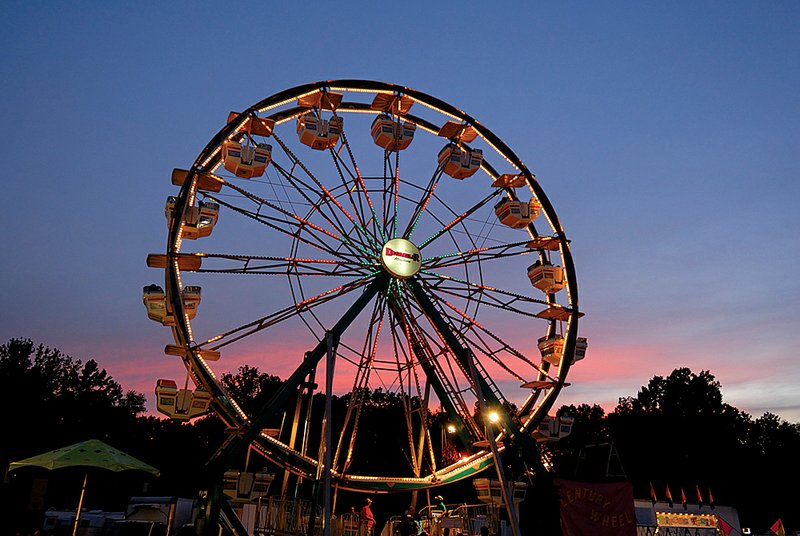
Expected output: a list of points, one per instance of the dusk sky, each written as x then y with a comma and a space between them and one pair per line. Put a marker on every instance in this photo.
666, 136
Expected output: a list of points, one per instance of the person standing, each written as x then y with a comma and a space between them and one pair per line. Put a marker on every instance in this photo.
366, 518
439, 508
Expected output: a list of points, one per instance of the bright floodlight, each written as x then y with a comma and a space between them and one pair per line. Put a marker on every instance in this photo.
451, 429
493, 417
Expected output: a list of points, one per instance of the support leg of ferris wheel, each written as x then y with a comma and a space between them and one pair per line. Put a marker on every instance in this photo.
505, 486
481, 390
332, 343
236, 443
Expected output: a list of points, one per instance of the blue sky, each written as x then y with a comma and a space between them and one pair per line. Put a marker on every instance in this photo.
666, 135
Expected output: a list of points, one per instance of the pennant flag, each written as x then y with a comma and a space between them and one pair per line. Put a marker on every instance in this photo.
724, 527
683, 498
653, 494
699, 496
669, 496
777, 528
710, 499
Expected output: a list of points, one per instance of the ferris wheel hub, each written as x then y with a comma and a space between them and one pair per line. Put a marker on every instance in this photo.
401, 258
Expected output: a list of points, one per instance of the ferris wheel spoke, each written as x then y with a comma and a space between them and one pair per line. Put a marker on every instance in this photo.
471, 325
360, 226
458, 219
473, 335
410, 392
295, 223
328, 200
367, 357
422, 204
433, 356
288, 218
358, 179
403, 360
390, 194
295, 230
307, 305
490, 296
352, 186
264, 265
391, 197
404, 192
483, 254
479, 383
447, 329
253, 428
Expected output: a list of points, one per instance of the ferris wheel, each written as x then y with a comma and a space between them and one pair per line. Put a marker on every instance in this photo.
391, 240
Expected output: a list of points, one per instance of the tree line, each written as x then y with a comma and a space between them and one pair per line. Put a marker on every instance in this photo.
676, 432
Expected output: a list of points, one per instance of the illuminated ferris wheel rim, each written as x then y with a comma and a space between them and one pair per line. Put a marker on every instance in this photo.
209, 159
212, 150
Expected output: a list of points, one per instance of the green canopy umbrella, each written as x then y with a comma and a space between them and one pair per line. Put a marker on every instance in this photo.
91, 453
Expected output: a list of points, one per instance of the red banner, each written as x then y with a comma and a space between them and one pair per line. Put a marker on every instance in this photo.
589, 509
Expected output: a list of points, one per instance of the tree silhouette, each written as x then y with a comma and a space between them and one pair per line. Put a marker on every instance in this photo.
50, 400
677, 430
58, 400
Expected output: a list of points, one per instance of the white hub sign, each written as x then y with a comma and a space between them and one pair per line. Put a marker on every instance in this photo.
401, 258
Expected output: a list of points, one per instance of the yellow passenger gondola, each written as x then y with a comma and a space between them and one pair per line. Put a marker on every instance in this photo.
517, 214
155, 301
246, 161
318, 133
460, 162
552, 349
390, 134
547, 277
180, 404
198, 221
